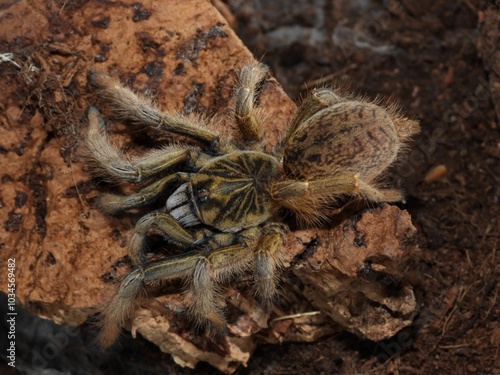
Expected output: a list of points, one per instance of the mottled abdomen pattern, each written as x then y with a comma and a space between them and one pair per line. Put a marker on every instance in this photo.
346, 138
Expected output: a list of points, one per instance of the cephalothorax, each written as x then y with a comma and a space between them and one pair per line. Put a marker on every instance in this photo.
225, 204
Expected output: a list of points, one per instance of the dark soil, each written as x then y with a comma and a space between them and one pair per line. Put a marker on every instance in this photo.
440, 59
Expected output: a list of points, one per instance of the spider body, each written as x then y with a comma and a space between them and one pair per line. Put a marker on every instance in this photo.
224, 203
229, 193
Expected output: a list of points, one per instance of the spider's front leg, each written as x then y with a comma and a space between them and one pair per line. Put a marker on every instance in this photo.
129, 106
216, 264
122, 303
166, 226
107, 160
268, 261
225, 254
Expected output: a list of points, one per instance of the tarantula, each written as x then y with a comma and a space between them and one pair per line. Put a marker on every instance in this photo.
225, 204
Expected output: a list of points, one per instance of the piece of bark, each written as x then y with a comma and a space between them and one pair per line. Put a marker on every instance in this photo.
70, 256
358, 272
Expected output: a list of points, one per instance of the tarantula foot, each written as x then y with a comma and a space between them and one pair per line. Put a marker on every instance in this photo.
97, 79
356, 184
94, 118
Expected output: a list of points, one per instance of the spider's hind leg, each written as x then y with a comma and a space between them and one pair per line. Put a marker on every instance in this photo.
122, 303
319, 99
225, 255
249, 80
308, 198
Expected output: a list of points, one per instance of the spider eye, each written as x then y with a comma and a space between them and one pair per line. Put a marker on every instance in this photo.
202, 195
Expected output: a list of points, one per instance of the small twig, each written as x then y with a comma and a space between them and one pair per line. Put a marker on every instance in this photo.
456, 346
7, 57
62, 7
493, 304
295, 316
329, 77
471, 7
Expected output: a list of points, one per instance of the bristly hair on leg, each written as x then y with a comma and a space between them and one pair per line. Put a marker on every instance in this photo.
202, 300
103, 157
120, 307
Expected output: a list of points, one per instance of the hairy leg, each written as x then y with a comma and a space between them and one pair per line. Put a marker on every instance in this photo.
121, 305
319, 99
129, 106
268, 262
202, 268
307, 198
376, 194
114, 203
216, 265
166, 226
105, 159
249, 79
